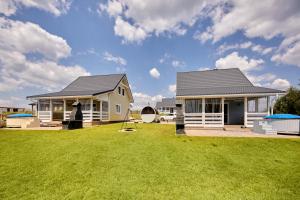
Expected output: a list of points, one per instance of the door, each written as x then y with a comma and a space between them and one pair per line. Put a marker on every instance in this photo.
57, 110
226, 113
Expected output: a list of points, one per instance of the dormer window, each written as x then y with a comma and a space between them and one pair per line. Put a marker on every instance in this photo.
123, 92
119, 90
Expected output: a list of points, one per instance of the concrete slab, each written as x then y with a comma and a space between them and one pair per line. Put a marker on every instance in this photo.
243, 133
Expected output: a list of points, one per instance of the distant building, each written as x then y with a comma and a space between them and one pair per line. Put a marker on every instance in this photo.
166, 106
11, 109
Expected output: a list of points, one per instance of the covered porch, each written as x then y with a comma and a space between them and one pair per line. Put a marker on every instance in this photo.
59, 109
216, 112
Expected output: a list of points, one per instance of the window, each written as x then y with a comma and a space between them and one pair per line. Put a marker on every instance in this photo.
193, 105
119, 90
257, 104
44, 105
213, 106
69, 103
96, 105
123, 92
85, 104
118, 108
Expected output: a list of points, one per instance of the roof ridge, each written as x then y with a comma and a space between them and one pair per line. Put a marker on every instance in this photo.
122, 74
215, 69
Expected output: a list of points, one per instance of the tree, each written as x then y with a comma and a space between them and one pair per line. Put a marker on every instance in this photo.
289, 103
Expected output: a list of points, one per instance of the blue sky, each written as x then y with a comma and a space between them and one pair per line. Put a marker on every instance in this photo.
46, 45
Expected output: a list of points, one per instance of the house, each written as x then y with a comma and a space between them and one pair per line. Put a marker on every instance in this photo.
166, 106
103, 98
11, 109
214, 98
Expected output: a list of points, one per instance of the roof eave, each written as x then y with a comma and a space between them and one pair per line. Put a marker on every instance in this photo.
230, 95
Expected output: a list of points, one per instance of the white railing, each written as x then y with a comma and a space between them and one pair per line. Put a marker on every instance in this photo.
203, 119
105, 116
193, 119
87, 115
96, 115
213, 119
44, 116
251, 117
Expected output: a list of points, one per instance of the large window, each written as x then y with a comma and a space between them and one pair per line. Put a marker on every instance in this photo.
213, 106
69, 103
193, 105
85, 104
96, 105
44, 105
257, 104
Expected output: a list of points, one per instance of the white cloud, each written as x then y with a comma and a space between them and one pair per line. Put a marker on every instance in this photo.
172, 88
178, 63
245, 45
153, 17
129, 32
233, 60
19, 71
113, 8
56, 7
290, 56
14, 36
154, 73
116, 59
265, 19
141, 100
282, 84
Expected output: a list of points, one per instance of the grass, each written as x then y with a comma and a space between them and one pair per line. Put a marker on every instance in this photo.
151, 163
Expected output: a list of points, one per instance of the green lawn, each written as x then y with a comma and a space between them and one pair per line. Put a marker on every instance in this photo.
152, 163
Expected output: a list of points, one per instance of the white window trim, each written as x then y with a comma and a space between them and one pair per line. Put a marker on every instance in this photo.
120, 109
123, 89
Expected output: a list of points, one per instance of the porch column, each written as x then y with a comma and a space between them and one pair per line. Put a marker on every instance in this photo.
51, 110
38, 108
203, 111
245, 111
222, 100
100, 110
91, 110
65, 109
268, 104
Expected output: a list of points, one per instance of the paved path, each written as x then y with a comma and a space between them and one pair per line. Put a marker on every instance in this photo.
236, 133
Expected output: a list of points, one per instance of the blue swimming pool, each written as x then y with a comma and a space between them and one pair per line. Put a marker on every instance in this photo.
19, 115
282, 116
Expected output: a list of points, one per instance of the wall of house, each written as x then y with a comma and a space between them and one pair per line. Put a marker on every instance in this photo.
116, 98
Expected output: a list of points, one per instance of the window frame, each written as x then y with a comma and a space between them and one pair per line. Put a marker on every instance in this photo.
120, 110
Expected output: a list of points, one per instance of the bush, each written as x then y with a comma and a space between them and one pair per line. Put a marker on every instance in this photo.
289, 103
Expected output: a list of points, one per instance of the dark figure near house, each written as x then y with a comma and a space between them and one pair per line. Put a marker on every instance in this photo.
76, 118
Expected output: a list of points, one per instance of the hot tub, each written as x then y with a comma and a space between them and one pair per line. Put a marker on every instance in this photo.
284, 123
22, 120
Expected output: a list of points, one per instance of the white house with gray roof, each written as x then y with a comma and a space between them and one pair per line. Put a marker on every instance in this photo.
166, 105
103, 98
214, 98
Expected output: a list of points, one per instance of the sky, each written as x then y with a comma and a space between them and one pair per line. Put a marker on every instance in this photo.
44, 45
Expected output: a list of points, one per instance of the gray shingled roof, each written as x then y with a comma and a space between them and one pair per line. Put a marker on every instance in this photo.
88, 86
166, 102
217, 82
